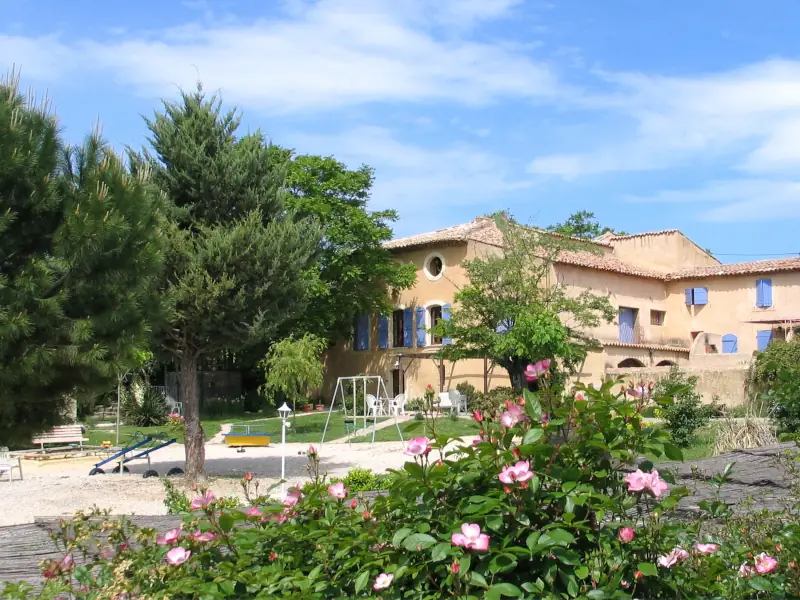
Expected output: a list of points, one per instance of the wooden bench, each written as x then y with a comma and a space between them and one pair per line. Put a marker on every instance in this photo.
62, 434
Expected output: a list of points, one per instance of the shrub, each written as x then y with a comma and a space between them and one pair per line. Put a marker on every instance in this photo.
784, 399
223, 406
468, 391
151, 412
175, 500
684, 412
517, 515
491, 402
359, 480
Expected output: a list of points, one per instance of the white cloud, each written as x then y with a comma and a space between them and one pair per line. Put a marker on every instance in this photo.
749, 115
324, 54
738, 200
447, 183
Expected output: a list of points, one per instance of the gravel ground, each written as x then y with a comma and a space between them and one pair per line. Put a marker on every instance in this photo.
61, 486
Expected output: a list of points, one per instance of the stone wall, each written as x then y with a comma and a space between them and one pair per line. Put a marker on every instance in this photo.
728, 383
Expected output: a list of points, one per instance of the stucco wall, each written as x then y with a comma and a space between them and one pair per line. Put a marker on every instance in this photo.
663, 252
731, 304
727, 383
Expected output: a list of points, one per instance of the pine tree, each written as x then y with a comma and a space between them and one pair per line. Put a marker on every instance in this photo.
80, 255
238, 264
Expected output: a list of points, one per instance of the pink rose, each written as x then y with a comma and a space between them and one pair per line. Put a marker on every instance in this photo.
203, 501
253, 511
383, 581
169, 538
471, 537
519, 473
638, 481
512, 416
706, 548
67, 563
626, 535
746, 570
200, 536
673, 558
418, 446
338, 491
765, 563
178, 555
477, 415
534, 371
293, 496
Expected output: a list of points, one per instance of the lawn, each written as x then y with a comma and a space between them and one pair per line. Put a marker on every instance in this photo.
703, 446
444, 426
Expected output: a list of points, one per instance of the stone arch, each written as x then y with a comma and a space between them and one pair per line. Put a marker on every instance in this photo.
630, 362
666, 363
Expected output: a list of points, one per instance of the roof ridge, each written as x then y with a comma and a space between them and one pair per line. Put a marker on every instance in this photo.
645, 234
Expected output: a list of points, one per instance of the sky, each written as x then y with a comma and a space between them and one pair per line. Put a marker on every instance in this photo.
652, 115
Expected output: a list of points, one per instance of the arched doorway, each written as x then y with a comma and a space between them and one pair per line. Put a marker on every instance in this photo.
666, 363
630, 362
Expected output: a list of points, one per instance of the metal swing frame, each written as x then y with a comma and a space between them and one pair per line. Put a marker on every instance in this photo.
338, 393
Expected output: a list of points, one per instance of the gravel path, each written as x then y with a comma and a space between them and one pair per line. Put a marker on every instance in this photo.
61, 487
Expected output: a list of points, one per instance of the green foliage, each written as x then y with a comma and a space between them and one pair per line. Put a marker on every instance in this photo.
493, 402
81, 251
176, 502
353, 273
582, 224
685, 414
359, 480
514, 312
151, 411
223, 406
553, 533
294, 367
468, 391
779, 356
237, 270
784, 400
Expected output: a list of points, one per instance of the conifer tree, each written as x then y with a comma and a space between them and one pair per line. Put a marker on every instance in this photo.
81, 253
238, 264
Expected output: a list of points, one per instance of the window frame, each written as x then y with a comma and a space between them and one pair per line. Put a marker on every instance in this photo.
426, 266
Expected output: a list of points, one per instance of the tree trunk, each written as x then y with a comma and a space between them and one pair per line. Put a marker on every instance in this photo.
195, 437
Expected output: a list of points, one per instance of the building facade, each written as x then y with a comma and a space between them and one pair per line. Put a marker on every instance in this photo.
677, 305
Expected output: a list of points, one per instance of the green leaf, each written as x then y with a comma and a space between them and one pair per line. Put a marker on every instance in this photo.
762, 584
361, 581
440, 551
418, 541
582, 572
532, 436
503, 589
400, 535
226, 522
672, 451
477, 579
558, 537
648, 569
596, 594
533, 540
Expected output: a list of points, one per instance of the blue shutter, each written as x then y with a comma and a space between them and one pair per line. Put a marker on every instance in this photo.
701, 296
446, 317
501, 327
763, 338
730, 345
356, 336
383, 332
764, 293
689, 296
420, 326
626, 323
408, 328
363, 332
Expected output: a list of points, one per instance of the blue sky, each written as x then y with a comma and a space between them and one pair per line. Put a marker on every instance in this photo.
681, 114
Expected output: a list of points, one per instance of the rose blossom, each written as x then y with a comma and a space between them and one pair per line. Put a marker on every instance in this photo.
338, 491
512, 416
673, 558
639, 481
292, 497
178, 555
383, 581
170, 537
200, 536
534, 371
253, 511
471, 537
765, 563
520, 472
706, 548
746, 570
418, 446
477, 415
626, 535
203, 501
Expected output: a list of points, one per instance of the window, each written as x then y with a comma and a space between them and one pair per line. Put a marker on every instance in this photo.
627, 323
398, 339
434, 266
696, 296
764, 293
730, 344
763, 338
435, 315
657, 317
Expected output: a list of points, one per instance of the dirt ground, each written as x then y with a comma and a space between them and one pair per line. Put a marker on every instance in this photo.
62, 486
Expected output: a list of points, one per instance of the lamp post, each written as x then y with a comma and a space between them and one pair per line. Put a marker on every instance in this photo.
284, 412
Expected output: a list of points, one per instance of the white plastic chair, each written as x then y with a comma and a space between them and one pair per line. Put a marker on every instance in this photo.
7, 466
458, 400
372, 406
398, 405
445, 403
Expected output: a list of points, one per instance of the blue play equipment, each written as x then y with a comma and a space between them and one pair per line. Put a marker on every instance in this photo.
146, 444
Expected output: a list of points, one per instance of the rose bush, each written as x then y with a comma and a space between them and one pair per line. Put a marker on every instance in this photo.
548, 502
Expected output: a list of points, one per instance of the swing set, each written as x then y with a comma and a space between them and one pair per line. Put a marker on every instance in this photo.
376, 402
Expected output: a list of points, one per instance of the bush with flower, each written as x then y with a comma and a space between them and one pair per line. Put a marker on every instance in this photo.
548, 502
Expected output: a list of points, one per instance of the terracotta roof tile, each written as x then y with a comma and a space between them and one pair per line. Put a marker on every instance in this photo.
743, 268
629, 236
607, 262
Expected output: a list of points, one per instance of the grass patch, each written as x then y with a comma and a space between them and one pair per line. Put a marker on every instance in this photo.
702, 447
444, 426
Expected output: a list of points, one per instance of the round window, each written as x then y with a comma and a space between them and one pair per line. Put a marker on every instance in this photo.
434, 266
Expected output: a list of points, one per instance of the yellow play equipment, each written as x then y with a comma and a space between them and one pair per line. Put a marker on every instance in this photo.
241, 436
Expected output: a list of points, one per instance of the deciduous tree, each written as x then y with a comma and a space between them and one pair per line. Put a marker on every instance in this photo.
584, 225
